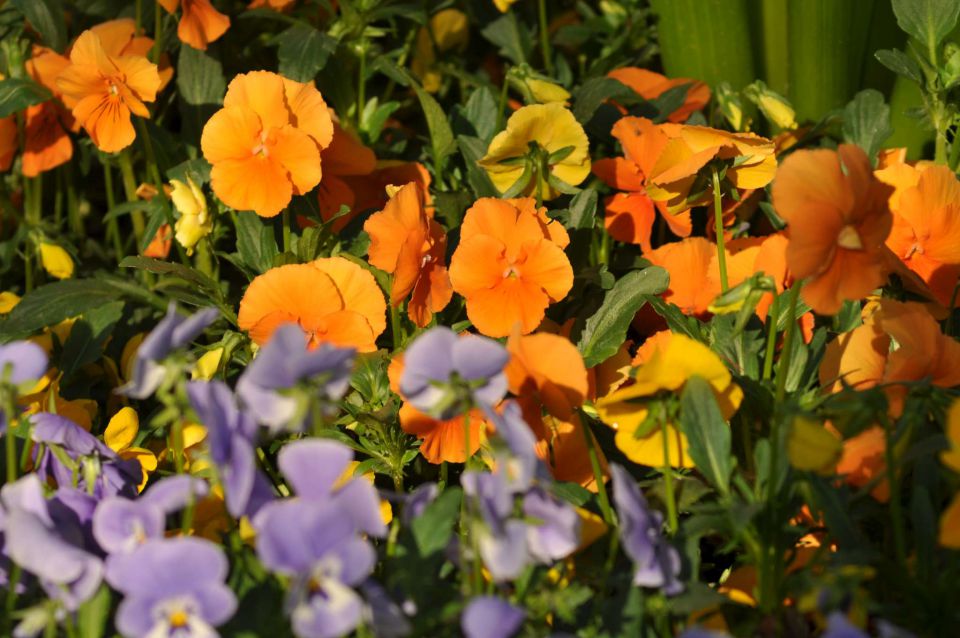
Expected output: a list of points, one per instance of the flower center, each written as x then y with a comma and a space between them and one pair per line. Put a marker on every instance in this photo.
849, 238
511, 271
261, 149
113, 89
178, 619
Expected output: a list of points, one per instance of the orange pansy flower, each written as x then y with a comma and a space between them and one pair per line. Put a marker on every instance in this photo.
864, 460
650, 85
926, 230
408, 244
510, 265
332, 299
47, 144
265, 143
550, 368
276, 5
106, 90
443, 441
857, 358
691, 289
200, 24
345, 158
838, 221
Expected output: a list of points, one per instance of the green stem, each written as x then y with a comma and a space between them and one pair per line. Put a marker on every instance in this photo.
545, 36
285, 220
773, 317
157, 33
396, 327
718, 223
893, 481
11, 449
113, 228
783, 370
130, 188
672, 518
11, 601
605, 508
361, 84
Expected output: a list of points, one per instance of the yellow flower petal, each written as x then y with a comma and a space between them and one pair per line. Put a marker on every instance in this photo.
56, 261
951, 457
8, 302
812, 447
122, 429
207, 365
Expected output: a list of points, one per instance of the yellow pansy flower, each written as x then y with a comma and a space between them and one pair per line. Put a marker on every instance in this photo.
542, 152
56, 261
195, 221
449, 30
504, 5
667, 370
812, 447
119, 436
8, 301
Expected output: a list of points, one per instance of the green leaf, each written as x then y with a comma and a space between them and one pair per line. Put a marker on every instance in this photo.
197, 169
582, 212
929, 21
866, 121
255, 242
50, 304
707, 433
186, 273
676, 320
432, 529
508, 34
900, 63
93, 614
605, 331
588, 97
473, 149
481, 112
17, 94
442, 141
47, 18
89, 333
200, 77
303, 52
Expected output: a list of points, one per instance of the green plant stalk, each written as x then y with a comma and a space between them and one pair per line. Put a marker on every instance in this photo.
718, 227
706, 39
773, 317
285, 221
130, 188
10, 443
157, 33
826, 41
113, 228
545, 36
396, 326
893, 481
361, 84
602, 496
11, 600
772, 38
784, 369
672, 518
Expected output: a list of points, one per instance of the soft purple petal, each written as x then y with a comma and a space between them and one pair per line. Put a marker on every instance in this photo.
362, 503
429, 358
491, 617
27, 362
491, 495
504, 552
313, 466
336, 613
293, 534
839, 626
174, 492
192, 327
418, 500
387, 618
58, 430
120, 525
477, 358
198, 563
557, 533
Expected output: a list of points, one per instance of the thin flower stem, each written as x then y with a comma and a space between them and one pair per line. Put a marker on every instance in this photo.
718, 221
602, 496
545, 36
773, 317
285, 220
11, 449
157, 33
130, 188
893, 481
672, 519
113, 228
784, 368
396, 326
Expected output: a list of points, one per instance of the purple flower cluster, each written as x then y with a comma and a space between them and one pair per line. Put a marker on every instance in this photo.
511, 535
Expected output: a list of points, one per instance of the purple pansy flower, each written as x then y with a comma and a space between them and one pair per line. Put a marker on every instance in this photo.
553, 527
418, 500
491, 617
21, 363
100, 471
268, 385
501, 539
656, 562
518, 462
445, 375
45, 538
839, 626
230, 438
184, 595
174, 331
384, 615
121, 525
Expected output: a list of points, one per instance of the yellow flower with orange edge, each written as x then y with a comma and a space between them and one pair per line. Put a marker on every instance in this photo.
628, 409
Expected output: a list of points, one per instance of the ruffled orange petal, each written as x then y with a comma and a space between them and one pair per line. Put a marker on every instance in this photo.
47, 144
688, 262
496, 311
200, 23
857, 357
431, 294
629, 218
282, 290
347, 155
477, 264
298, 155
345, 328
851, 275
552, 367
262, 92
619, 173
309, 112
547, 266
358, 289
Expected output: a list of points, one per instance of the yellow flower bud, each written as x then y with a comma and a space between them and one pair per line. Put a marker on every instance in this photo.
8, 301
207, 365
195, 222
56, 261
812, 447
731, 107
545, 92
774, 106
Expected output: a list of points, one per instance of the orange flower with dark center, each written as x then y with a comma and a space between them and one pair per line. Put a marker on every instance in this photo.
510, 265
333, 300
106, 90
650, 85
408, 244
200, 24
265, 143
926, 230
119, 38
838, 221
